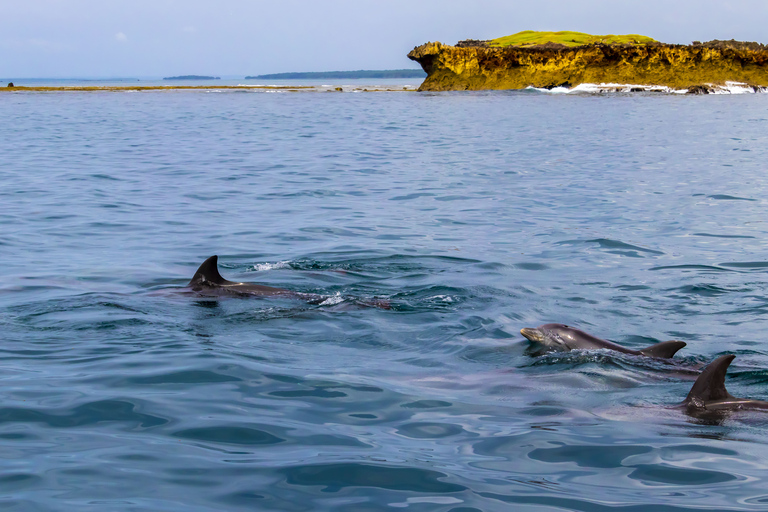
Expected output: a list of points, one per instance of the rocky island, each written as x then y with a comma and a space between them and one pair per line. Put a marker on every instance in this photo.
554, 59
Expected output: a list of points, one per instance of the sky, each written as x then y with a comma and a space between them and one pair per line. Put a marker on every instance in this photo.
157, 38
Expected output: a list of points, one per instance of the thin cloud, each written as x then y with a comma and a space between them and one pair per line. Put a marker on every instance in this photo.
121, 37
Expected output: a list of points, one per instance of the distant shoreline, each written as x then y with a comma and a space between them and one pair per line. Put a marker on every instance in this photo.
192, 77
324, 75
160, 88
119, 88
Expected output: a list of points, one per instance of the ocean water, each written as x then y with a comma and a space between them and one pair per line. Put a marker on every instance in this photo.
636, 217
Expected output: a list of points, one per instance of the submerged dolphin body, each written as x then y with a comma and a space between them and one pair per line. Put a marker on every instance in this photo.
208, 281
709, 396
559, 337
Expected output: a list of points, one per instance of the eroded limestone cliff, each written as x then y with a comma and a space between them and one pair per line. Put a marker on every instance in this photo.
478, 66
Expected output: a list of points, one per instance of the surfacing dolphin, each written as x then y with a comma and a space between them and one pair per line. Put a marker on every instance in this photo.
562, 338
208, 282
709, 396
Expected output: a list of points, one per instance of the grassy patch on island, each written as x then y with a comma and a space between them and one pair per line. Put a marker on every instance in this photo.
567, 38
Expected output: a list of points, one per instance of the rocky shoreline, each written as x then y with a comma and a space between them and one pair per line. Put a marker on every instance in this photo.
699, 68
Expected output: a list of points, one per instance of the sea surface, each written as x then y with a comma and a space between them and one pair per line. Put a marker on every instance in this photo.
636, 217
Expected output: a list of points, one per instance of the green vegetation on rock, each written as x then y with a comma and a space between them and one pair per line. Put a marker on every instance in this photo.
567, 38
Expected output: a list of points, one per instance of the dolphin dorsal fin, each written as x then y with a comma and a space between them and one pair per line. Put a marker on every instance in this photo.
711, 383
208, 274
665, 349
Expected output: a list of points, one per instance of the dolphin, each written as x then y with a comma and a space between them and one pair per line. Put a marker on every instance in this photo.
559, 337
208, 281
709, 396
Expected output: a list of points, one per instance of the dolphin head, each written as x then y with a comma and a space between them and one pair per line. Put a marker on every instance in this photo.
553, 336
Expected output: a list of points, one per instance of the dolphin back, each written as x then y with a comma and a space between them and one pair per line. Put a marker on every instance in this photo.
208, 274
664, 350
710, 385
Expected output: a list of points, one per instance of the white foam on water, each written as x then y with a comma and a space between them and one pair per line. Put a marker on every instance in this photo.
603, 88
333, 300
614, 87
260, 267
586, 88
554, 90
734, 88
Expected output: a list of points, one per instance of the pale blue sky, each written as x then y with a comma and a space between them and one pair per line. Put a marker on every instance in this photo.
144, 38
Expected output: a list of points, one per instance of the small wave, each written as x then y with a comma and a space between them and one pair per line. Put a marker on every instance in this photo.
616, 247
736, 88
725, 197
704, 268
554, 90
260, 267
441, 298
602, 88
747, 265
333, 300
613, 87
681, 367
712, 235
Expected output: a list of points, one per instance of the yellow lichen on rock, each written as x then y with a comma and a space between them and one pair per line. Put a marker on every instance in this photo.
676, 66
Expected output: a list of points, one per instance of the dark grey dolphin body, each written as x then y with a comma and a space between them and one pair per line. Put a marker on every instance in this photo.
709, 396
562, 338
207, 281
